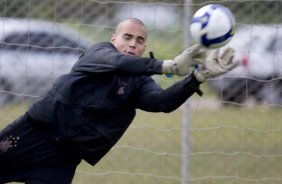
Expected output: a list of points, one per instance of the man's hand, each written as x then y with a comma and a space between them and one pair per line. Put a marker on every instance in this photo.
181, 64
216, 65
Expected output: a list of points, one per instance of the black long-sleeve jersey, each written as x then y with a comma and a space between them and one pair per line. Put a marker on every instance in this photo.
89, 109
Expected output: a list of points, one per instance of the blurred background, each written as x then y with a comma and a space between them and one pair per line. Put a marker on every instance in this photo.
230, 135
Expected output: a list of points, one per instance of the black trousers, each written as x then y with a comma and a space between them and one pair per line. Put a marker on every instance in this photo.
28, 154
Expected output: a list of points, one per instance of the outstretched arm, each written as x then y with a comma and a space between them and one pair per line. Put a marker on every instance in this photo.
104, 58
158, 100
155, 99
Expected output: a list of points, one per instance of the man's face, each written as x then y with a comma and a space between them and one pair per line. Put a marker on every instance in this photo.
130, 38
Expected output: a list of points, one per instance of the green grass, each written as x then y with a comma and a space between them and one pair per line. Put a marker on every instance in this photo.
227, 145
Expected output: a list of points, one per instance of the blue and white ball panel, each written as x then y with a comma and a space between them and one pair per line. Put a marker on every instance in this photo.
205, 25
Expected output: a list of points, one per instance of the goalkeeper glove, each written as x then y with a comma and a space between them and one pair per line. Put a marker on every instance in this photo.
181, 64
215, 65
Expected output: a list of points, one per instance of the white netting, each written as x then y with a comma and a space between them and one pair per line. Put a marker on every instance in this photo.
234, 131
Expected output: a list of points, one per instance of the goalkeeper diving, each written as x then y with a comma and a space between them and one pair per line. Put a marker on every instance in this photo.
87, 110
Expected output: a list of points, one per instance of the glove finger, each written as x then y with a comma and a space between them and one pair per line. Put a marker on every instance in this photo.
189, 52
199, 54
192, 49
215, 54
197, 61
232, 65
227, 55
195, 48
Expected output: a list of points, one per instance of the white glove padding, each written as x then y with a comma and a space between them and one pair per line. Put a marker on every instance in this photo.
181, 64
216, 65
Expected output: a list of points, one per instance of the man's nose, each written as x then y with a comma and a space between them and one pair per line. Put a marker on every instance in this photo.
132, 43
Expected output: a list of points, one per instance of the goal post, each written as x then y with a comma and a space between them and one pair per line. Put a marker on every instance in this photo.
188, 14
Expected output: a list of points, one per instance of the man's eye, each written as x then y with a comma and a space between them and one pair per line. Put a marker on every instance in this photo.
127, 37
141, 41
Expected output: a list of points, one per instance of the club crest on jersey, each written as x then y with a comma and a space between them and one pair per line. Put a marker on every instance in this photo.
8, 143
121, 89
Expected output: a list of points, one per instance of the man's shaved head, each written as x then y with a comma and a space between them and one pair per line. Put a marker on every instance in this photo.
132, 20
130, 37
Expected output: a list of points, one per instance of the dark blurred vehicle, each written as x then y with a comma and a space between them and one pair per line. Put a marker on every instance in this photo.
258, 77
33, 54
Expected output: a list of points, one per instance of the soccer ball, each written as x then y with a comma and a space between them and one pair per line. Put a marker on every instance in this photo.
212, 26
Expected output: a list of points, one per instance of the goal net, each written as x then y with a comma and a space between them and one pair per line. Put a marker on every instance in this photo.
230, 135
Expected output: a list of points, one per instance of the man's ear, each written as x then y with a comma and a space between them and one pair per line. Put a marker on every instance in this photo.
145, 46
113, 38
